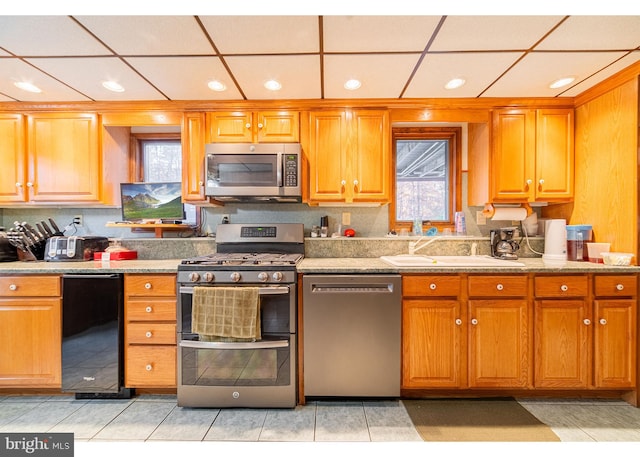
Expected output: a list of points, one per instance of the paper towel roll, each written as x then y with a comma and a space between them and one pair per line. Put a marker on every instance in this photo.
509, 214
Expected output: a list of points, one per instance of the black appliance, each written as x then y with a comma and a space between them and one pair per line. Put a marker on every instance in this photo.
8, 252
503, 243
259, 373
92, 336
74, 248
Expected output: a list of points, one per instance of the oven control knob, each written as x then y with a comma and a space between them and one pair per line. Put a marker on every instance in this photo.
235, 276
263, 276
193, 277
277, 276
208, 277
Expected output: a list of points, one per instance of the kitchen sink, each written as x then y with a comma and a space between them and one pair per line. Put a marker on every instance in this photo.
406, 260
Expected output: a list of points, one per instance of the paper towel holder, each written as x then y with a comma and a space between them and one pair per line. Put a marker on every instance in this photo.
490, 210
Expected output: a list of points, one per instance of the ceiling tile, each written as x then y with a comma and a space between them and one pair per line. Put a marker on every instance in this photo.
479, 70
474, 33
377, 33
86, 75
533, 74
186, 78
299, 76
149, 35
47, 36
263, 34
592, 32
382, 75
604, 74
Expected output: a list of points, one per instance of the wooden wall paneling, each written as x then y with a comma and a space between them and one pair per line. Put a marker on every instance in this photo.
478, 164
116, 162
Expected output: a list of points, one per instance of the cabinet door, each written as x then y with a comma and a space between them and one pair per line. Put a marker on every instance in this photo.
278, 127
554, 155
327, 156
13, 172
193, 145
372, 168
231, 127
432, 344
498, 343
615, 343
513, 155
562, 344
64, 158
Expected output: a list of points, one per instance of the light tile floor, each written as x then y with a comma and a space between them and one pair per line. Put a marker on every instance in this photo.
153, 418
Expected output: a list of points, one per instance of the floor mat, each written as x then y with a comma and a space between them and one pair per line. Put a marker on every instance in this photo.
476, 420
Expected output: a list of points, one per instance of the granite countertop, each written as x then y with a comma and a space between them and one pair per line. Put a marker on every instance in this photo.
92, 266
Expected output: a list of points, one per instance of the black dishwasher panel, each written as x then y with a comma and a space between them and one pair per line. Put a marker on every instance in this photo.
92, 336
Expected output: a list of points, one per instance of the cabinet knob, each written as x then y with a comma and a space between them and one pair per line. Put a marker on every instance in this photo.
564, 287
29, 184
355, 182
603, 322
499, 287
260, 125
148, 309
458, 321
541, 182
148, 334
18, 185
587, 321
13, 287
529, 182
474, 321
149, 367
147, 286
432, 286
247, 125
343, 183
619, 287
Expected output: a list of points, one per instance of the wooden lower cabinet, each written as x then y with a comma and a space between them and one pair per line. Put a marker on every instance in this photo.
30, 331
150, 330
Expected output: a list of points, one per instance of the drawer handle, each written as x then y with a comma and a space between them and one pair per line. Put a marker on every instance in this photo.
148, 309
619, 287
13, 287
499, 287
587, 321
148, 334
149, 367
474, 321
432, 286
147, 286
458, 321
603, 322
564, 288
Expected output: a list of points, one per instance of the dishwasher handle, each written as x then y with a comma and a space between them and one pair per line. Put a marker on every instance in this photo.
90, 276
351, 288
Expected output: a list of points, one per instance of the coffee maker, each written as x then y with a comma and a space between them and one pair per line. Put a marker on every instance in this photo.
503, 244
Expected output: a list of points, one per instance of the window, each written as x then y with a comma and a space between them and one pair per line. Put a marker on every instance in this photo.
427, 176
158, 157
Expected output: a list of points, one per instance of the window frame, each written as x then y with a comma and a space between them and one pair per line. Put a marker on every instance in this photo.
453, 135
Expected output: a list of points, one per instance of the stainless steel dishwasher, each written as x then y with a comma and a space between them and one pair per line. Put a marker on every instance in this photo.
352, 335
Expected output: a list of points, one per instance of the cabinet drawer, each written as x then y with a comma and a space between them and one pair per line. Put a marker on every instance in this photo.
150, 285
431, 286
616, 286
561, 286
30, 286
151, 333
150, 366
151, 310
497, 286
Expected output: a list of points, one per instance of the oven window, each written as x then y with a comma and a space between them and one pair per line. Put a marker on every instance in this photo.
236, 367
243, 170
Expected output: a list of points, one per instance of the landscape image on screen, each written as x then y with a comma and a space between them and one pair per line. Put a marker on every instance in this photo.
152, 201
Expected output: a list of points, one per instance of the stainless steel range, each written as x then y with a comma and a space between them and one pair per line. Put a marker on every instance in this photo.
215, 370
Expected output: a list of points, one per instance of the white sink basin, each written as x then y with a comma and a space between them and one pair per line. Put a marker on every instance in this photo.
406, 260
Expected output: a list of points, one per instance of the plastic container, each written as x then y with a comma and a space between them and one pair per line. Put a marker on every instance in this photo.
617, 258
595, 251
577, 238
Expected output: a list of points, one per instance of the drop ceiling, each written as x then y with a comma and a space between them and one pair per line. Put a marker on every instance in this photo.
173, 57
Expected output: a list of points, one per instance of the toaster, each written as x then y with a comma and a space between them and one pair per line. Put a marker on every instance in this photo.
74, 248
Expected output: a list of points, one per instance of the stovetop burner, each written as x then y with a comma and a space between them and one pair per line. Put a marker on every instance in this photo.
244, 259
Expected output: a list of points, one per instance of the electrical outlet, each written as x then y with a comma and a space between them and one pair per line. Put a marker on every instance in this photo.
77, 220
225, 219
346, 218
481, 219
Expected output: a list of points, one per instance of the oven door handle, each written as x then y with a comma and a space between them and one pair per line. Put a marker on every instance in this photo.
278, 290
234, 345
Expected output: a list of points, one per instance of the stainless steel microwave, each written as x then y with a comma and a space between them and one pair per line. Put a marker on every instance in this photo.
249, 172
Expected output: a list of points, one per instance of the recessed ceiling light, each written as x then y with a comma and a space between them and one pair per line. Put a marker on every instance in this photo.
216, 86
455, 83
352, 84
112, 86
562, 82
28, 87
272, 84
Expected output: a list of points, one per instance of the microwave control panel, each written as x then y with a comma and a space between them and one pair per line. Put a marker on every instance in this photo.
291, 170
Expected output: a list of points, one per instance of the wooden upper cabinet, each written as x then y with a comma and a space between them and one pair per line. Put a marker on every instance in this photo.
64, 163
532, 155
193, 146
13, 173
349, 156
253, 127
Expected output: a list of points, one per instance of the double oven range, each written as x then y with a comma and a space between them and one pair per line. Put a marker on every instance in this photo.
260, 373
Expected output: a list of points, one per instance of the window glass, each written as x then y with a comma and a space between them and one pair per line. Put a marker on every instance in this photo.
161, 160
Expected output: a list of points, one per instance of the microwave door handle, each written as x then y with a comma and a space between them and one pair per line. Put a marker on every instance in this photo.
279, 169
